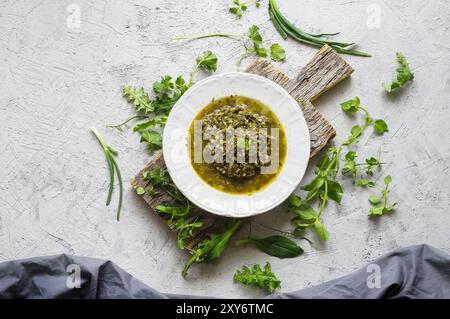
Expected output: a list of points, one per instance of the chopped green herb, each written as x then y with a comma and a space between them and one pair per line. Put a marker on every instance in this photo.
404, 75
140, 191
255, 276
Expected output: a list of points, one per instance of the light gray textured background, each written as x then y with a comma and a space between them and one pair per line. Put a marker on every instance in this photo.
56, 82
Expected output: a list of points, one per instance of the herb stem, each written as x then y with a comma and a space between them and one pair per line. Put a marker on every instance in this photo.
223, 35
113, 168
119, 126
324, 200
119, 177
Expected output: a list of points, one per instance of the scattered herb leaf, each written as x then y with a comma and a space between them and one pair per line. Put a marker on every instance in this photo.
255, 276
277, 53
212, 248
404, 75
380, 127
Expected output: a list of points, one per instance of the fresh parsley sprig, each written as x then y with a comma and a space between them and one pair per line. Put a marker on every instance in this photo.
239, 7
207, 62
258, 277
404, 75
113, 169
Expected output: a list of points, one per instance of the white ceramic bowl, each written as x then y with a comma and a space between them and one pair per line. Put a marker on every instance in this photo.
176, 154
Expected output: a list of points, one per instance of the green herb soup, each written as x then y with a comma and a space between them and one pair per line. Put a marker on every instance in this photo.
239, 177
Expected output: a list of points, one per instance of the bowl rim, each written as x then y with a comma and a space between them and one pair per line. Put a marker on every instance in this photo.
201, 204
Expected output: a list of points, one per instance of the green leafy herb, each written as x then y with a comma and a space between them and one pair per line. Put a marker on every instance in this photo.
264, 279
306, 216
288, 29
207, 62
277, 246
324, 186
352, 107
139, 98
240, 7
380, 127
174, 212
153, 140
352, 167
152, 192
381, 205
252, 43
277, 53
140, 191
113, 168
177, 211
154, 111
157, 177
186, 230
161, 121
212, 248
404, 75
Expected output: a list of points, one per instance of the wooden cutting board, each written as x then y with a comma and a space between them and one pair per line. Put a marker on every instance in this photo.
325, 70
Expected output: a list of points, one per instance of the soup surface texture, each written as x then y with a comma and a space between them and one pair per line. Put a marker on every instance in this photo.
238, 112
